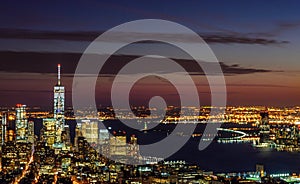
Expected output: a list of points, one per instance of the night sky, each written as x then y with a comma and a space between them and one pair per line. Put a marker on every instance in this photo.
256, 42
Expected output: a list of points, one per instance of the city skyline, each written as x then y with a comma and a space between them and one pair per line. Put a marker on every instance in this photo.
149, 92
61, 161
43, 148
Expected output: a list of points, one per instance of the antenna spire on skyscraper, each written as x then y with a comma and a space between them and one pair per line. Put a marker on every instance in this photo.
58, 74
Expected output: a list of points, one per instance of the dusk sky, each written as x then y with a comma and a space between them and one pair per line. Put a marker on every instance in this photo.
256, 42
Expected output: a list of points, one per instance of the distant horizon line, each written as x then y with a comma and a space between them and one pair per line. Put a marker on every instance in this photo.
143, 106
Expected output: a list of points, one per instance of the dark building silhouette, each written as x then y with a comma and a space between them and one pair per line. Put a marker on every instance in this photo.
264, 127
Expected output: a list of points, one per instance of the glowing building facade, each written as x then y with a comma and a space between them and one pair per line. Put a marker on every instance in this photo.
9, 153
31, 131
49, 131
59, 107
118, 146
89, 130
103, 136
21, 123
3, 129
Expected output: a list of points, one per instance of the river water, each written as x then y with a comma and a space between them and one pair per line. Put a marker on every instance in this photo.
237, 157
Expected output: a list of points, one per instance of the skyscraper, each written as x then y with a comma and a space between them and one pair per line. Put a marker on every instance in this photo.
48, 131
21, 123
3, 128
59, 107
78, 134
89, 130
103, 136
9, 153
118, 146
264, 131
31, 132
66, 138
103, 141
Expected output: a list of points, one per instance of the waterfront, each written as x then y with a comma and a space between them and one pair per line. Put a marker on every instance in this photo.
238, 157
218, 157
235, 157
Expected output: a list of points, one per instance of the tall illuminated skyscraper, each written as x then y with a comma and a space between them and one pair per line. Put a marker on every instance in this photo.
59, 107
21, 123
3, 128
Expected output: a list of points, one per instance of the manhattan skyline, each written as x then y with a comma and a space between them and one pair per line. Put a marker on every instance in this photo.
144, 92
